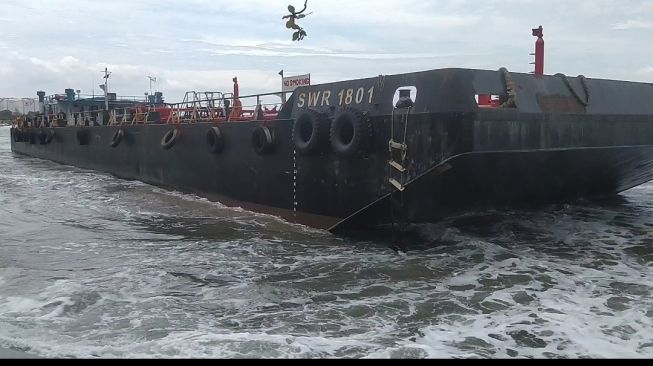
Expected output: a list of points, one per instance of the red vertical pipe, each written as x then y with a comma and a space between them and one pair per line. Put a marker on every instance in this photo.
539, 51
236, 94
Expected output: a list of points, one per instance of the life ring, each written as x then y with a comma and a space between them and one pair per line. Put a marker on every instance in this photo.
310, 131
169, 139
83, 136
214, 140
263, 140
349, 132
46, 136
117, 137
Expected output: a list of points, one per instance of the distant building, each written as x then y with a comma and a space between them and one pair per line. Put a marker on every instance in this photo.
20, 105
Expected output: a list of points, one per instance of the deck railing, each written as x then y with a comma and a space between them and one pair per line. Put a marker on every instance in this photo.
196, 107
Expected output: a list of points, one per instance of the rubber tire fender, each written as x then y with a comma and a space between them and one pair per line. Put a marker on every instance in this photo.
15, 135
317, 124
117, 137
215, 140
49, 135
46, 136
170, 138
348, 122
263, 140
83, 136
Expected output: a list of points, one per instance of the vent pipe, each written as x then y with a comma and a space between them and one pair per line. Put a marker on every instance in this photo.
539, 51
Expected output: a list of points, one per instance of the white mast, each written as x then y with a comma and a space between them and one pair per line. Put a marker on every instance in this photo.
152, 79
106, 88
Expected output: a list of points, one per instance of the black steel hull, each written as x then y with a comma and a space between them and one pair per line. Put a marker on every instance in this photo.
475, 182
238, 177
550, 145
328, 192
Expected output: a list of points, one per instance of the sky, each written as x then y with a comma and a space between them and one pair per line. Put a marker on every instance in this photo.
201, 45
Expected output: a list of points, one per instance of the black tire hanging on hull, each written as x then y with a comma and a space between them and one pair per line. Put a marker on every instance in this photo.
170, 138
46, 136
310, 132
83, 136
15, 135
263, 140
214, 140
349, 133
117, 137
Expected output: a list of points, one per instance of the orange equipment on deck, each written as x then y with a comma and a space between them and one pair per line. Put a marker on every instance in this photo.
237, 108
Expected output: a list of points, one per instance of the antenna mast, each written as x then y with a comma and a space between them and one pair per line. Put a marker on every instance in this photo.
106, 88
152, 79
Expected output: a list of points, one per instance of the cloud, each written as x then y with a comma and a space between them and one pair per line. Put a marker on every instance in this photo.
65, 64
202, 44
633, 24
250, 81
646, 72
54, 75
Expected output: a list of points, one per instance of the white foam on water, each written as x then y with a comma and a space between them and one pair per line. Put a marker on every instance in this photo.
567, 287
205, 344
34, 304
578, 331
251, 217
570, 319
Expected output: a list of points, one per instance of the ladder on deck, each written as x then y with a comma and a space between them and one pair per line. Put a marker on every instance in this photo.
398, 170
398, 148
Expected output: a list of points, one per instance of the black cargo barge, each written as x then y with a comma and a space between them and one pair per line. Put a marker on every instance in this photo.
414, 147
